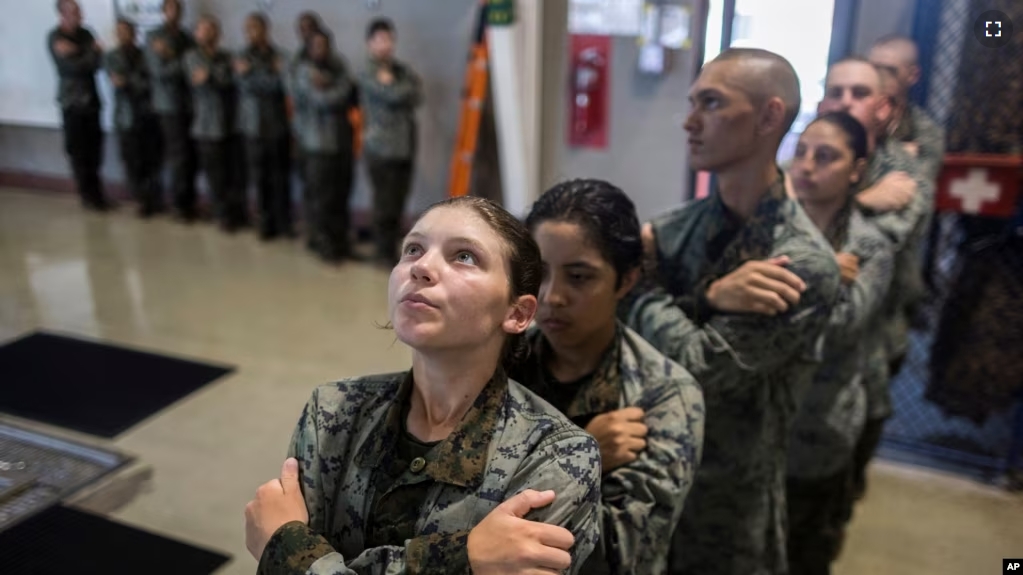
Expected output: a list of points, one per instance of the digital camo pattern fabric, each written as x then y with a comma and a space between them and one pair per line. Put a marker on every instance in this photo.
132, 100
642, 501
907, 230
321, 107
76, 89
925, 139
834, 409
753, 369
171, 94
509, 441
262, 112
389, 111
215, 100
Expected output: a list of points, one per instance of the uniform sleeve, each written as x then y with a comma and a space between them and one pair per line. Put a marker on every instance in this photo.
728, 347
860, 301
641, 502
138, 80
405, 91
931, 155
86, 61
568, 463
164, 69
898, 225
261, 80
297, 548
190, 63
334, 96
114, 65
221, 73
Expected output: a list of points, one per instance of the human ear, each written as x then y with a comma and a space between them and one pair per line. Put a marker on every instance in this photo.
520, 314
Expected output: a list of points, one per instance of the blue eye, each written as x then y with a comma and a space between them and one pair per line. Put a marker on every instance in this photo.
410, 249
466, 258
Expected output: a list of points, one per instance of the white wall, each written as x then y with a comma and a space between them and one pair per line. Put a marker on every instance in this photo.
879, 18
646, 153
28, 80
433, 37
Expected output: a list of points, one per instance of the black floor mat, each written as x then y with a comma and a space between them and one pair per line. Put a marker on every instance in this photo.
93, 387
60, 540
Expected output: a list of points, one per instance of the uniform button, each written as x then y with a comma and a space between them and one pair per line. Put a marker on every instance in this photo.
417, 465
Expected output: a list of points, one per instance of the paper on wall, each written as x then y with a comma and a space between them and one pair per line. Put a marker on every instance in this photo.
605, 17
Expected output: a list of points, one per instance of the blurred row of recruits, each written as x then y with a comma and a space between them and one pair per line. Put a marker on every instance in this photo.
184, 103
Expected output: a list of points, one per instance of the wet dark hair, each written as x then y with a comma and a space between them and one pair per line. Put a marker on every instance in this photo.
379, 25
522, 255
606, 214
855, 133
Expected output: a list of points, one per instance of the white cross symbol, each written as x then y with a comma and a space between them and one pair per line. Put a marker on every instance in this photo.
974, 190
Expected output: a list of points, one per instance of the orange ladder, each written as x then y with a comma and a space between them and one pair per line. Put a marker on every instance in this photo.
473, 96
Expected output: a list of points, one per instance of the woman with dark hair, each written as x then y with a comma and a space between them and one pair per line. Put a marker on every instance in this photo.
827, 168
645, 411
450, 467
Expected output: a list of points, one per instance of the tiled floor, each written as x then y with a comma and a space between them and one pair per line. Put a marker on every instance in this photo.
290, 323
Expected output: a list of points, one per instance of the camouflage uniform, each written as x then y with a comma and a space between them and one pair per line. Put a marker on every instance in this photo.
214, 129
263, 121
301, 58
136, 123
753, 370
172, 101
834, 410
509, 441
917, 127
325, 136
906, 230
80, 107
389, 141
641, 501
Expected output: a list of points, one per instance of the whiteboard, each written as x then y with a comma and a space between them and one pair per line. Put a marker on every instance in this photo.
28, 79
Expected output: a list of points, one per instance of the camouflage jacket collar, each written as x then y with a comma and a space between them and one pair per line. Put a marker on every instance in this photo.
461, 458
267, 53
374, 64
176, 32
905, 127
755, 237
838, 230
601, 394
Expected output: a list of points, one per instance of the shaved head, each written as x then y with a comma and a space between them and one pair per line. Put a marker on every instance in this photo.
865, 70
741, 106
888, 83
905, 47
856, 86
900, 56
764, 75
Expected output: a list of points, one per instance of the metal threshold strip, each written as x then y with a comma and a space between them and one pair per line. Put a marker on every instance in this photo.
40, 468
